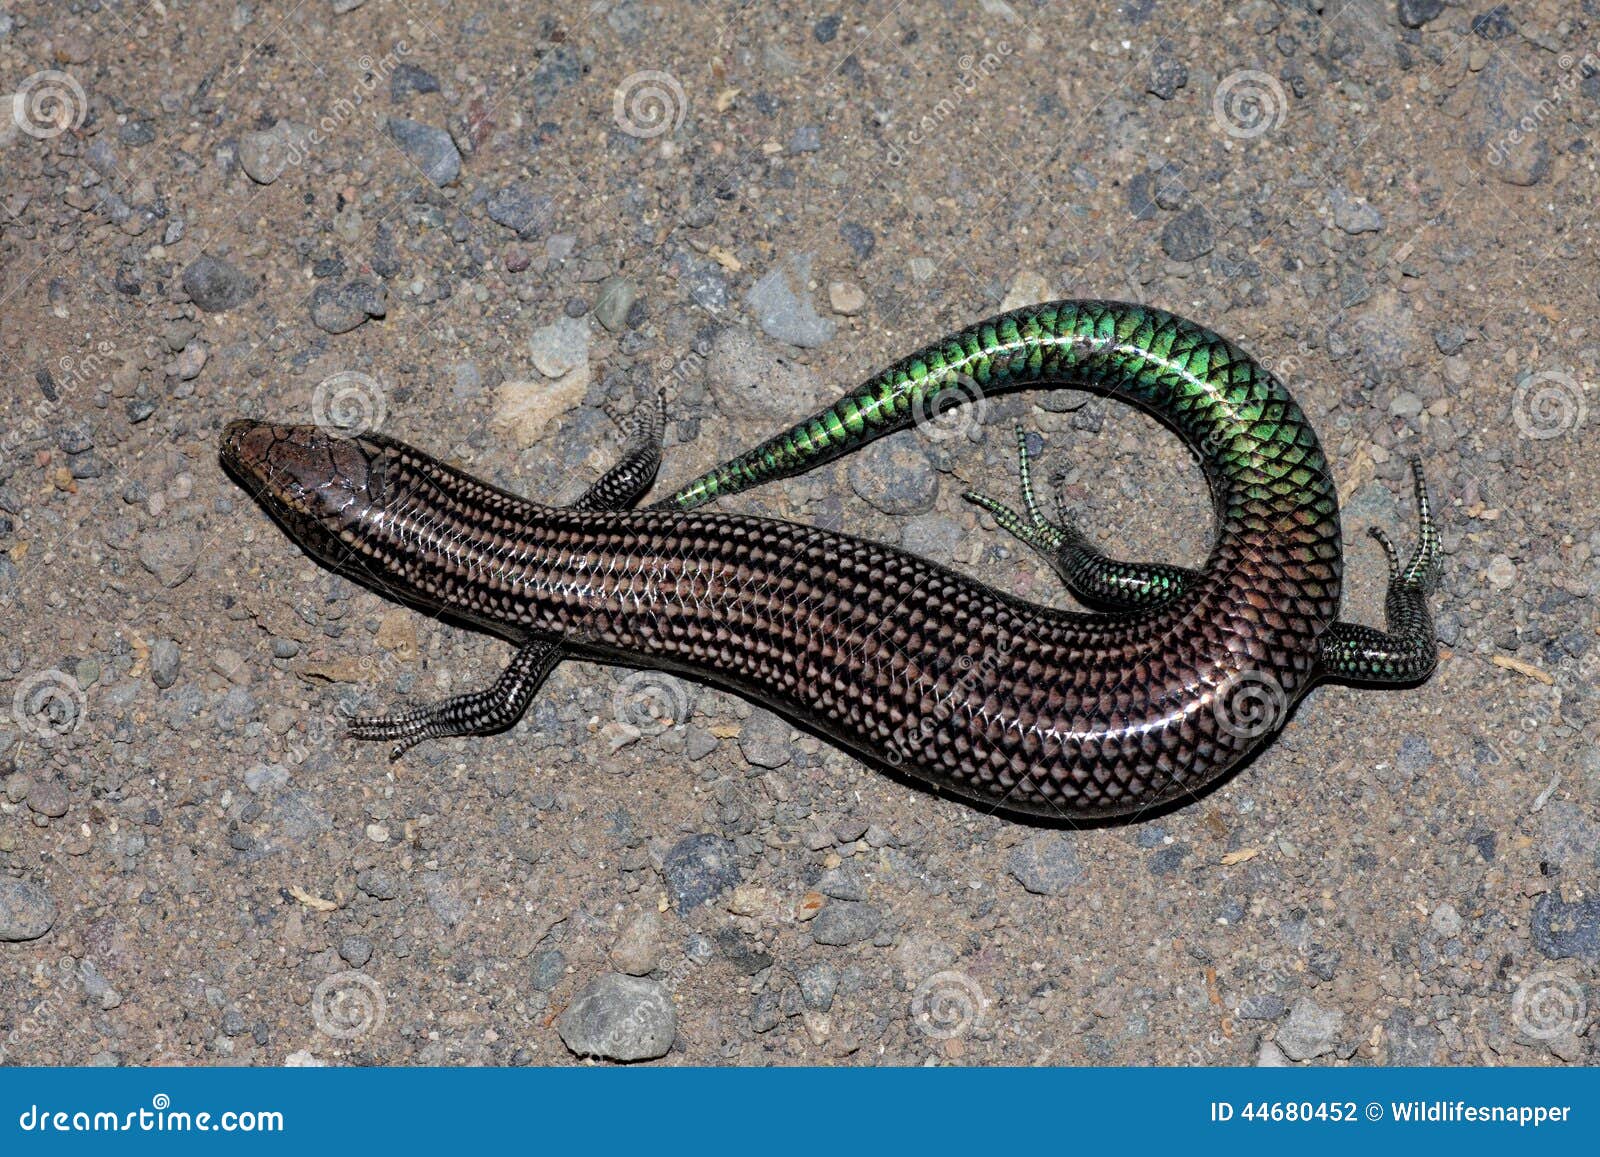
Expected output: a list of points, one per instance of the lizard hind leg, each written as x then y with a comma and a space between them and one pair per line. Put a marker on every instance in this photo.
1406, 651
1091, 576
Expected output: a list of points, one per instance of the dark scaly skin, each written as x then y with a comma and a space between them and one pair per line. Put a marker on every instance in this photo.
993, 698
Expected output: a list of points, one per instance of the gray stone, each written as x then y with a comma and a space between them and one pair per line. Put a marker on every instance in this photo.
620, 1018
1047, 864
806, 139
894, 475
1351, 213
444, 898
1310, 1031
1188, 236
1167, 76
264, 155
408, 79
933, 536
818, 983
215, 286
861, 240
1411, 1044
378, 884
549, 969
26, 910
1262, 1006
764, 1012
355, 950
1562, 929
429, 148
1446, 921
48, 797
165, 660
1503, 97
765, 741
844, 922
1416, 13
520, 210
698, 869
616, 298
341, 308
781, 303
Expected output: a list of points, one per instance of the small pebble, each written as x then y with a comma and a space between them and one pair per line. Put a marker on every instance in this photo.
1311, 1030
698, 869
355, 950
430, 149
164, 663
216, 286
638, 947
846, 298
843, 922
26, 910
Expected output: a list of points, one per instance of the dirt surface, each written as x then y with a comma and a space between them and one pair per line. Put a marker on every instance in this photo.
485, 225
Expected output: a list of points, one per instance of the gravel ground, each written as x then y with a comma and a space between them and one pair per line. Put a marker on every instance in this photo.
484, 226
